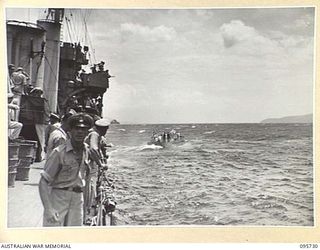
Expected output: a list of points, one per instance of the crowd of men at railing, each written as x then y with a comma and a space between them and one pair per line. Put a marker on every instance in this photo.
74, 146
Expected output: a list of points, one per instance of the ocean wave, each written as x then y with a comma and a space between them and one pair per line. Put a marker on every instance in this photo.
209, 132
149, 147
207, 150
187, 145
267, 205
224, 178
232, 165
269, 181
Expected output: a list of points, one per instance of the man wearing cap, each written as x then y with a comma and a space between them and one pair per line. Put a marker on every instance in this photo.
59, 135
65, 173
13, 125
19, 80
97, 158
54, 123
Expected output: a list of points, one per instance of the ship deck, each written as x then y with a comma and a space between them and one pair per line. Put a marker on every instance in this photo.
24, 208
24, 204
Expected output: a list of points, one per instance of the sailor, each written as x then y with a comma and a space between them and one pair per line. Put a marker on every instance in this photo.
168, 137
13, 125
36, 91
73, 102
97, 158
101, 66
179, 137
59, 135
93, 68
19, 80
65, 173
54, 123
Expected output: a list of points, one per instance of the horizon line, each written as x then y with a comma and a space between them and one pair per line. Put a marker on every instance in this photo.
200, 123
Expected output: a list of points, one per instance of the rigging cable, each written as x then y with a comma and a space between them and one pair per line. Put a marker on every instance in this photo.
72, 28
78, 19
68, 27
88, 38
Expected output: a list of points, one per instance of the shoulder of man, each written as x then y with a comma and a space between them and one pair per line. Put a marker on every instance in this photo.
57, 132
61, 148
93, 131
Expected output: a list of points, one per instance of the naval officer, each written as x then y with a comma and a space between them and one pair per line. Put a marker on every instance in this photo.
63, 178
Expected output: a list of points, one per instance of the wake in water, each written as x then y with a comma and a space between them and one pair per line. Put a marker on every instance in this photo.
223, 175
209, 132
149, 147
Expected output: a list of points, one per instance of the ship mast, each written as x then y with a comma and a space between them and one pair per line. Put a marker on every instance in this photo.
79, 89
52, 25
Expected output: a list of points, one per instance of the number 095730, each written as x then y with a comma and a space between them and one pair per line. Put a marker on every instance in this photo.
307, 246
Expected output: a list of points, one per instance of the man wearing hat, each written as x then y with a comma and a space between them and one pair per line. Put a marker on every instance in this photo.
59, 135
54, 123
13, 125
97, 158
19, 80
65, 173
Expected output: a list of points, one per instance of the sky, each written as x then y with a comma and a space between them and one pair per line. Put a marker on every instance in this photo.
235, 65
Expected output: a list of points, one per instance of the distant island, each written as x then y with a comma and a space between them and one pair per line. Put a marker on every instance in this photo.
290, 119
115, 122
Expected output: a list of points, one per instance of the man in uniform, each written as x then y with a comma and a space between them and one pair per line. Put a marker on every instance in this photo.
54, 123
60, 134
65, 173
20, 82
97, 158
13, 125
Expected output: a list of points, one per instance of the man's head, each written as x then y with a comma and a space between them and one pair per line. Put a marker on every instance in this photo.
65, 120
79, 124
11, 68
102, 125
54, 118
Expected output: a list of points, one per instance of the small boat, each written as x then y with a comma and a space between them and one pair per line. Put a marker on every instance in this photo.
165, 139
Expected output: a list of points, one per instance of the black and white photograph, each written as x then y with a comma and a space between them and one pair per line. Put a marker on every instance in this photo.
153, 117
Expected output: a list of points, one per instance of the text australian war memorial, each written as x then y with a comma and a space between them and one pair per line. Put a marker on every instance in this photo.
55, 103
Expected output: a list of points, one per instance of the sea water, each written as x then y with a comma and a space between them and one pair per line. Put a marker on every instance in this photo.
223, 174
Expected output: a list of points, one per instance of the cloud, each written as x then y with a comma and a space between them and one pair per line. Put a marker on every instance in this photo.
304, 22
274, 45
236, 32
301, 25
164, 72
159, 33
